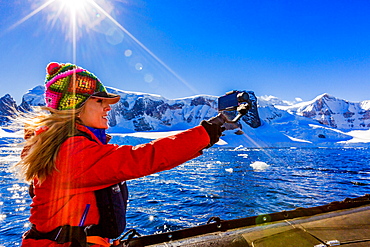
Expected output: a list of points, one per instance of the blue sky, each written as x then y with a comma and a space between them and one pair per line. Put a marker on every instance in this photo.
283, 48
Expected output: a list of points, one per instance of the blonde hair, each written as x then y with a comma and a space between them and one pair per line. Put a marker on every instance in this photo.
40, 151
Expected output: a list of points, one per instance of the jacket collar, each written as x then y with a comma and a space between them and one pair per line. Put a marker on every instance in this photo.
99, 133
92, 134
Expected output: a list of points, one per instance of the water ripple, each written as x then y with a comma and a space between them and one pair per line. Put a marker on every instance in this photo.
219, 183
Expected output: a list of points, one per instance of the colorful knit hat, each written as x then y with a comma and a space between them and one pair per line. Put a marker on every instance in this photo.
69, 86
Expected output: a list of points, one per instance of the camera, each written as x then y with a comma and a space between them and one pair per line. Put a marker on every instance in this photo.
232, 101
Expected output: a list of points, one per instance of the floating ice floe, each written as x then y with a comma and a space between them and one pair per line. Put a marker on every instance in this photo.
243, 155
229, 170
259, 165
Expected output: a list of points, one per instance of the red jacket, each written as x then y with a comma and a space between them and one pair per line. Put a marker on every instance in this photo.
83, 166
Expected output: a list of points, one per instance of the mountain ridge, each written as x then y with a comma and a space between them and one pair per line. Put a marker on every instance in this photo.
331, 111
323, 121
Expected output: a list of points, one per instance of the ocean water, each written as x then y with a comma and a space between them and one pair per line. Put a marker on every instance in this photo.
225, 182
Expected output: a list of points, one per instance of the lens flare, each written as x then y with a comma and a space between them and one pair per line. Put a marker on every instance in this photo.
75, 18
34, 12
74, 5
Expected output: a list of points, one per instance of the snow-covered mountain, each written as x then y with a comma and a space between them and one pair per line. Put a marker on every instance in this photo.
333, 112
148, 112
8, 109
323, 121
34, 97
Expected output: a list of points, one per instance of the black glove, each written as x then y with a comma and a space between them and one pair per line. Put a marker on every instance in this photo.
214, 131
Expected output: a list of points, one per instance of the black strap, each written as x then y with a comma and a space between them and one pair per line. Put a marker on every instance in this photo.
112, 204
31, 191
62, 234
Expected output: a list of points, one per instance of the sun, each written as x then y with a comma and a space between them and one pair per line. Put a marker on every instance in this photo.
78, 10
73, 17
75, 5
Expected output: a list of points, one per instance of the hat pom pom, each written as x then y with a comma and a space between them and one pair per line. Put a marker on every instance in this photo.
53, 68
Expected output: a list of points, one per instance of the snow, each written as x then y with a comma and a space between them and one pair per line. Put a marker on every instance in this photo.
35, 96
10, 134
259, 166
365, 105
297, 139
283, 122
279, 129
149, 135
359, 136
262, 137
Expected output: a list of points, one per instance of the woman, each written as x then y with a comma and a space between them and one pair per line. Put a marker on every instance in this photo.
76, 177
